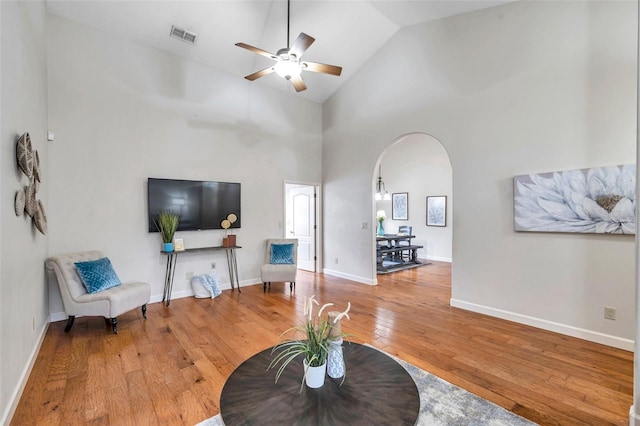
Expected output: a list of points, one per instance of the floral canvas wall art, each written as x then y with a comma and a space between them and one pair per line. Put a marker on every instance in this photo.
600, 200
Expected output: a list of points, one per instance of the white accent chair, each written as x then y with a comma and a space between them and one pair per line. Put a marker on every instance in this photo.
279, 272
107, 303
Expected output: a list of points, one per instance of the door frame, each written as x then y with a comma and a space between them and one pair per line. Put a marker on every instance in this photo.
318, 228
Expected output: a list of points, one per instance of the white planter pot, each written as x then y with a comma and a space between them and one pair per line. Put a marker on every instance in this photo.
314, 376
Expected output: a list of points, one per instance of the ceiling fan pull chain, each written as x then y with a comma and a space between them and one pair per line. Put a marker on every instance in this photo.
288, 20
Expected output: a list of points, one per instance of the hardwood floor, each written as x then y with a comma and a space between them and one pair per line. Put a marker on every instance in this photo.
170, 368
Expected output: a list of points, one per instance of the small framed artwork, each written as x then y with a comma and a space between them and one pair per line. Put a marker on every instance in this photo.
178, 244
400, 206
437, 210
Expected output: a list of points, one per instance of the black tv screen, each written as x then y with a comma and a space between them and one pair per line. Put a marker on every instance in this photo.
200, 204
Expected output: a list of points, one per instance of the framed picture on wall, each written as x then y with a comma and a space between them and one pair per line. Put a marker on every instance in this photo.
437, 210
400, 206
596, 200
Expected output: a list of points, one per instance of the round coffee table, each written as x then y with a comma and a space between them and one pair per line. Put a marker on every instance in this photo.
377, 390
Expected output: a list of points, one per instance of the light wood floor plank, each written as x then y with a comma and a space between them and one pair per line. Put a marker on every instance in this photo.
170, 368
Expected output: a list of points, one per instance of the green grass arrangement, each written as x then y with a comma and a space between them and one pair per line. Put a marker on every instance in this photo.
167, 223
315, 347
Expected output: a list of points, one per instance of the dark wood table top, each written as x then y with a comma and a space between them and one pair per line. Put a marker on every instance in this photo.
394, 237
377, 390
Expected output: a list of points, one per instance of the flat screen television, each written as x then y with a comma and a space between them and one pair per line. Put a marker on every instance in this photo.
200, 204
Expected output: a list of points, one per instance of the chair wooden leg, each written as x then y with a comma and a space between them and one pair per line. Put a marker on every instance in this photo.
292, 285
114, 325
264, 287
144, 311
69, 323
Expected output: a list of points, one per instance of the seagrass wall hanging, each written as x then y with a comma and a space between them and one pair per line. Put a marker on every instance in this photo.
26, 201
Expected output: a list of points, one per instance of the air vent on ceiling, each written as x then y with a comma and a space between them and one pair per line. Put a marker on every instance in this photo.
184, 35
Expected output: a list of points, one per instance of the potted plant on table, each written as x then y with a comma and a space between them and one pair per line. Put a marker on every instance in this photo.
319, 333
167, 224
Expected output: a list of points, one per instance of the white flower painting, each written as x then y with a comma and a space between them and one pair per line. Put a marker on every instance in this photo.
600, 200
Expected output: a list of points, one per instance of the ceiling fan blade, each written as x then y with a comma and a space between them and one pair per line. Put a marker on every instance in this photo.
257, 50
301, 44
298, 83
323, 68
259, 74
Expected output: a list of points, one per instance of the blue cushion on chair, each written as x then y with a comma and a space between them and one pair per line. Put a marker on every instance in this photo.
97, 275
281, 254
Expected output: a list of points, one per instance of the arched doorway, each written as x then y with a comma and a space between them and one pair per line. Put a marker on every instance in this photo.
413, 167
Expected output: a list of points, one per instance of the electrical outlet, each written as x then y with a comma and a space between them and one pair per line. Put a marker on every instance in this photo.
365, 225
609, 313
189, 276
213, 265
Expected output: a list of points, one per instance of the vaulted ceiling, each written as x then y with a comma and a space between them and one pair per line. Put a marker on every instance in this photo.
347, 33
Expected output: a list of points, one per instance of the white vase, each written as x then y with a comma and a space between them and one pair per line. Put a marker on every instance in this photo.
314, 376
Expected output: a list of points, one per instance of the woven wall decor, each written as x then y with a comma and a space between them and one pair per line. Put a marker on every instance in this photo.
31, 205
36, 166
40, 218
19, 202
25, 200
24, 152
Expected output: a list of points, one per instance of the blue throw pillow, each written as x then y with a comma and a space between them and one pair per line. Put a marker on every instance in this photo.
281, 254
97, 275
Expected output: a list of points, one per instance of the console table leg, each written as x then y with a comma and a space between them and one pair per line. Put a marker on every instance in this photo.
233, 269
230, 267
168, 278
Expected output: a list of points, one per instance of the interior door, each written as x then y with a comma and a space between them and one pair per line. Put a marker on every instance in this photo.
301, 223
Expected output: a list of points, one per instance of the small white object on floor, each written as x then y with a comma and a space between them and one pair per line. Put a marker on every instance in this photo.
206, 285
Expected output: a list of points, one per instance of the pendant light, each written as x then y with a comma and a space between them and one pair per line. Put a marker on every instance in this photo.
381, 191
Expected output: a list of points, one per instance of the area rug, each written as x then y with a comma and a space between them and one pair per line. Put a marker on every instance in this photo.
443, 404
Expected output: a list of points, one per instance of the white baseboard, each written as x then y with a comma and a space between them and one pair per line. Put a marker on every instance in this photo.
24, 377
592, 336
349, 277
189, 293
57, 316
440, 259
634, 418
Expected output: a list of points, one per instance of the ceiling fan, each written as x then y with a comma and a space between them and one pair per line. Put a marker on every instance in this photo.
288, 63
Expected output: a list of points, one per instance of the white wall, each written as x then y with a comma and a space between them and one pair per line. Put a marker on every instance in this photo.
23, 296
521, 88
123, 112
419, 165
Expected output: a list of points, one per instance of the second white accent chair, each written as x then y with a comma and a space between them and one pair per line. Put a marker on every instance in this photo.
280, 262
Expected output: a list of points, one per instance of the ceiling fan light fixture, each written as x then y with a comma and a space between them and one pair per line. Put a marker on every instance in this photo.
288, 64
287, 68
